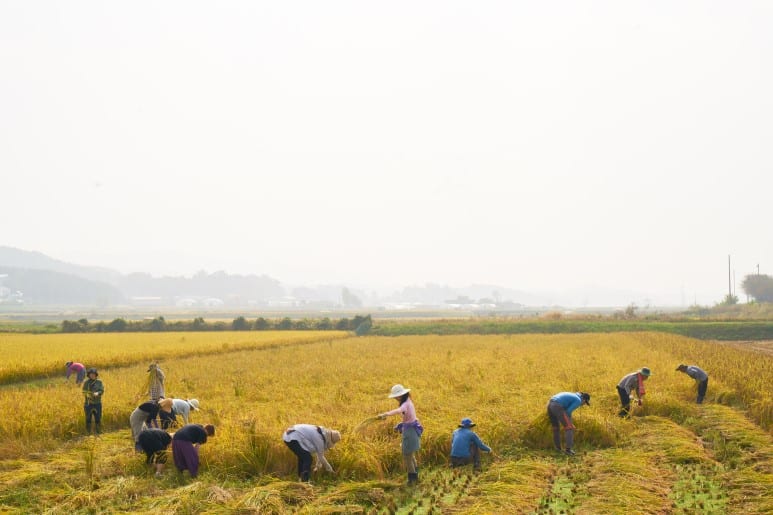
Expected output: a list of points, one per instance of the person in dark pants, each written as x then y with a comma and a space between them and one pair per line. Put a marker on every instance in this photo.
166, 413
466, 446
701, 377
93, 389
141, 418
154, 443
631, 382
185, 446
560, 408
305, 439
75, 368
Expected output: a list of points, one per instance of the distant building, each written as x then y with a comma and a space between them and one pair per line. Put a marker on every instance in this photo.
146, 301
285, 302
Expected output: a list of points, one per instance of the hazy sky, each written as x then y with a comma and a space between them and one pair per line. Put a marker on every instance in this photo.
534, 145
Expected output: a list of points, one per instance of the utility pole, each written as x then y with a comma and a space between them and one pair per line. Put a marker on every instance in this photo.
758, 269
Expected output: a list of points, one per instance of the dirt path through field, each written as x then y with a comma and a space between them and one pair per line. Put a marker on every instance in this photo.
762, 346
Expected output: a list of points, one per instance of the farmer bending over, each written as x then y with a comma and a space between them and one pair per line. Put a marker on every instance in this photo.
183, 407
560, 408
154, 443
142, 418
185, 446
305, 439
632, 382
701, 377
75, 368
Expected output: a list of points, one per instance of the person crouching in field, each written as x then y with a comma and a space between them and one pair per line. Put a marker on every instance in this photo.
305, 439
466, 446
701, 377
93, 389
142, 417
560, 408
154, 443
410, 428
185, 446
75, 368
632, 382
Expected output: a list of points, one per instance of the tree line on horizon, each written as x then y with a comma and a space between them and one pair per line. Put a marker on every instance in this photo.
359, 324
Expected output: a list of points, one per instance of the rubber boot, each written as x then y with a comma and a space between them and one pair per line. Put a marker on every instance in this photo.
413, 478
97, 429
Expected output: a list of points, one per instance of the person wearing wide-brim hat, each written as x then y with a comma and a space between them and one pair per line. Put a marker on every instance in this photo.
307, 439
700, 376
633, 382
560, 408
183, 407
410, 428
93, 389
466, 446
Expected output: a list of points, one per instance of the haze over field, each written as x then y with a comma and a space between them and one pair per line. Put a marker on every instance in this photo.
574, 149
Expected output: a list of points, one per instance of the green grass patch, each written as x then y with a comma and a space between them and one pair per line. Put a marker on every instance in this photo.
699, 489
723, 330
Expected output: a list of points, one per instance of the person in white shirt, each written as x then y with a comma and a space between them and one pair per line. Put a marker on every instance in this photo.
183, 407
305, 439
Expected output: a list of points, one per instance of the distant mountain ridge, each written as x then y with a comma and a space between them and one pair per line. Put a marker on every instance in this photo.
48, 287
32, 260
45, 280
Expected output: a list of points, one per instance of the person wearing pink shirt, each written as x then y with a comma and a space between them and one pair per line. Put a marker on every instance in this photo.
75, 368
410, 428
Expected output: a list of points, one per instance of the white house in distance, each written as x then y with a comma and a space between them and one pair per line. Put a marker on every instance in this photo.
8, 296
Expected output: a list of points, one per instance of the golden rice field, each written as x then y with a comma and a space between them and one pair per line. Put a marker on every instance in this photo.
672, 456
27, 356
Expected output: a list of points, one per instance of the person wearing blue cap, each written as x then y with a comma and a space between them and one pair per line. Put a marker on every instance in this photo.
466, 446
630, 383
560, 408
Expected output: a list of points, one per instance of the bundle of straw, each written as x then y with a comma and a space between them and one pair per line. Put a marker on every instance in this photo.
365, 423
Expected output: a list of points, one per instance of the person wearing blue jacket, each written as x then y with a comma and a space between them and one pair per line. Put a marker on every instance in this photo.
560, 408
466, 446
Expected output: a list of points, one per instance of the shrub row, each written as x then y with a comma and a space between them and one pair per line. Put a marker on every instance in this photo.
360, 324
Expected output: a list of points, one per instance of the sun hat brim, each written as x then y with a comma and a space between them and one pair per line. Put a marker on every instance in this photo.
399, 393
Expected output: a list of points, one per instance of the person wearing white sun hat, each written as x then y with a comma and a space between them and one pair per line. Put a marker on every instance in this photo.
410, 428
183, 408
